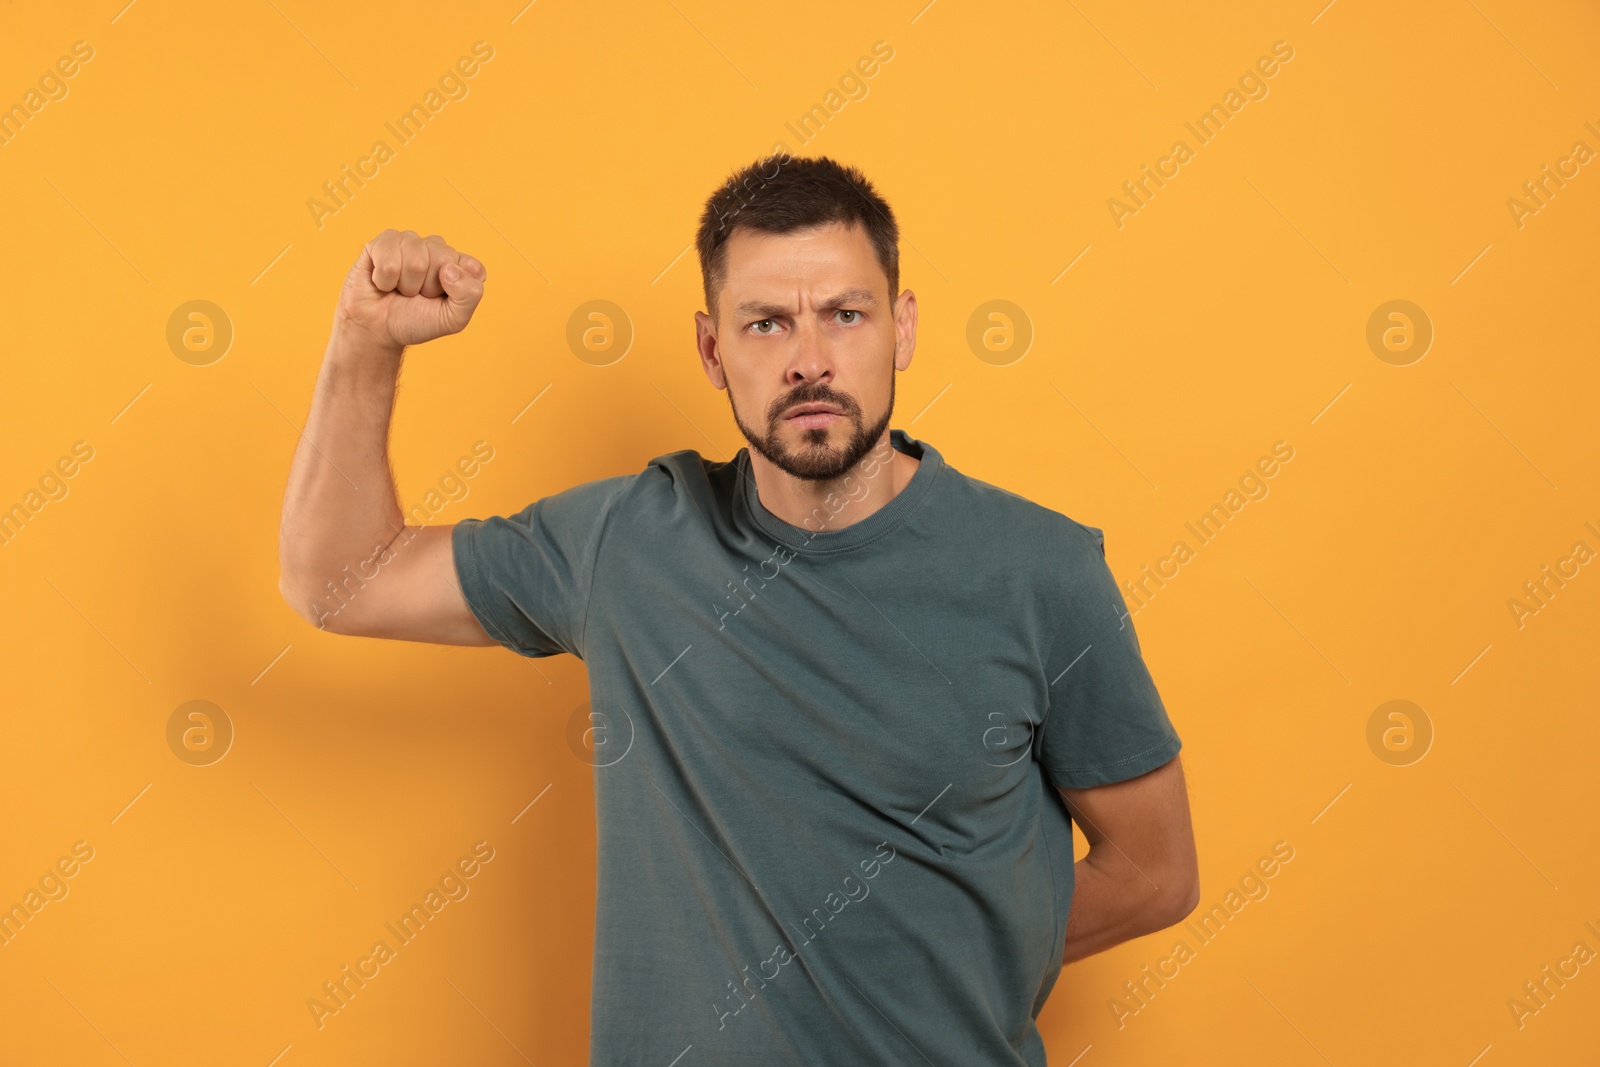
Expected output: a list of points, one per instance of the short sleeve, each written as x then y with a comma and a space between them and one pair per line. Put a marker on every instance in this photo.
1105, 721
527, 577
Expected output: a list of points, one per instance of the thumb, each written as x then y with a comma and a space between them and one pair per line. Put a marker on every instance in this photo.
361, 269
462, 293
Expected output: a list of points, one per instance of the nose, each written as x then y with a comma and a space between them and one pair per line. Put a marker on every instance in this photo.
810, 360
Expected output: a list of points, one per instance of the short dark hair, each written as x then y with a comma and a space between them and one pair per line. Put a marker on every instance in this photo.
784, 193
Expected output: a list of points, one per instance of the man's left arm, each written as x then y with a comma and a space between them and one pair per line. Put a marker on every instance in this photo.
1141, 873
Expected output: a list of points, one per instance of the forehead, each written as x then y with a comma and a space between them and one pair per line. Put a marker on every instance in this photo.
831, 256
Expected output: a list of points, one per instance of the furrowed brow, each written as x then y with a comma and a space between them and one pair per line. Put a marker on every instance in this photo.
847, 298
757, 309
851, 298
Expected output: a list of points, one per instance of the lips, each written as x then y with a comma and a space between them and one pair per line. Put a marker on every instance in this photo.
813, 409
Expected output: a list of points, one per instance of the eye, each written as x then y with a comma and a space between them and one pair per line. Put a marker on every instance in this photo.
855, 315
764, 322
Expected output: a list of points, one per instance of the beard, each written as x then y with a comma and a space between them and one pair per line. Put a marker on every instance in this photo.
816, 459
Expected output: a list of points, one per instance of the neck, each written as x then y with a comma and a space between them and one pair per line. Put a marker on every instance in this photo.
825, 506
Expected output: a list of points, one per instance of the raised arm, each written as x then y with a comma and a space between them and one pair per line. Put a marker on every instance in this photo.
348, 563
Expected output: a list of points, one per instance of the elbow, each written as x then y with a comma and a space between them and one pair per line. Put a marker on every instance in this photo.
298, 595
294, 595
1180, 898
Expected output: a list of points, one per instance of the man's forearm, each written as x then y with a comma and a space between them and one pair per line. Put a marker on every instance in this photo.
340, 506
1113, 902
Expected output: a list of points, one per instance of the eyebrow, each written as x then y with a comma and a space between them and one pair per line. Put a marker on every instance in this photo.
846, 298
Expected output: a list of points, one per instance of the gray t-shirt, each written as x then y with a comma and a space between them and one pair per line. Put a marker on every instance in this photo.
827, 826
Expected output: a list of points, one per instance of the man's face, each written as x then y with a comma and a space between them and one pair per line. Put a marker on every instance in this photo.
807, 318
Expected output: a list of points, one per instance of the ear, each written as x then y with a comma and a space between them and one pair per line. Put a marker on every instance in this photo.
905, 329
705, 336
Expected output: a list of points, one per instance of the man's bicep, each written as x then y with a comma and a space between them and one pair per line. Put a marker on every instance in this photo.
1143, 821
407, 591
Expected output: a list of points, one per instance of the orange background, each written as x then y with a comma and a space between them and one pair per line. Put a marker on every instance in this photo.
1229, 313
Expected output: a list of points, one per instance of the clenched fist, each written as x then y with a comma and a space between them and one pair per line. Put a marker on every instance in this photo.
406, 289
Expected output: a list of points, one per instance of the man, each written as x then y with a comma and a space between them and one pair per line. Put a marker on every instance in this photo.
849, 694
